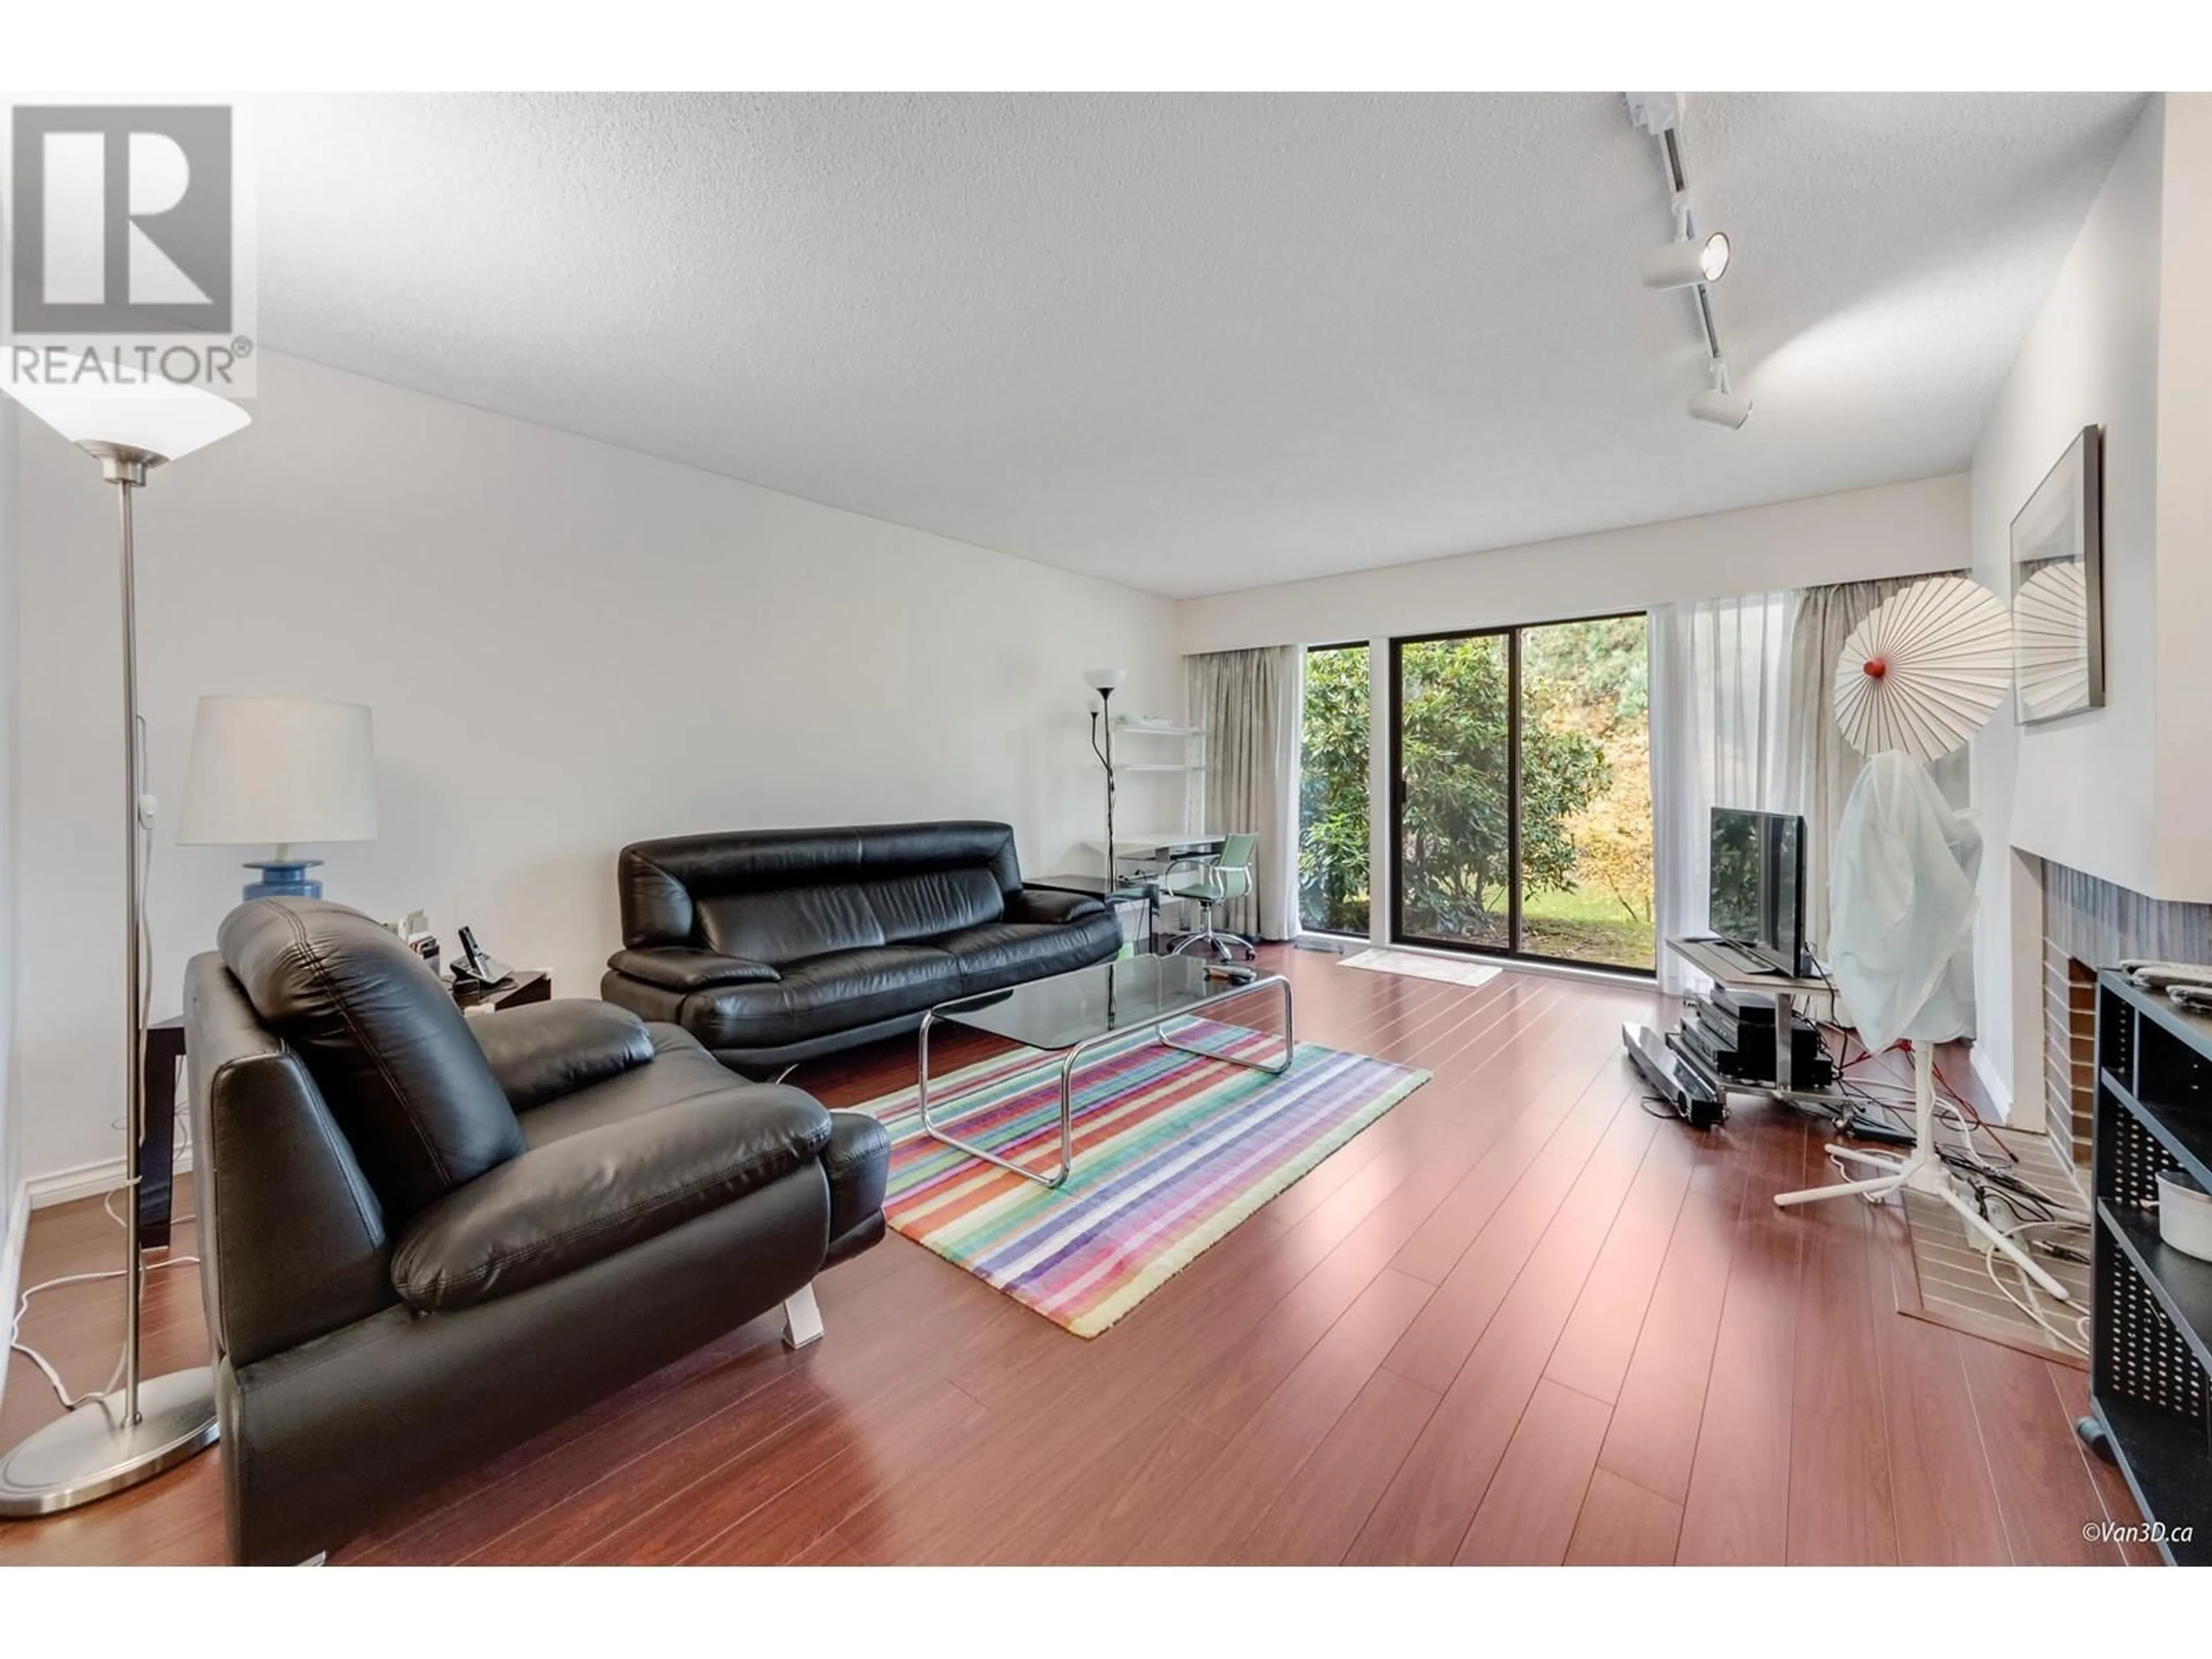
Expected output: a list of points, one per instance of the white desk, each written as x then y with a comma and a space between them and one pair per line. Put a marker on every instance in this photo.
1154, 852
1163, 847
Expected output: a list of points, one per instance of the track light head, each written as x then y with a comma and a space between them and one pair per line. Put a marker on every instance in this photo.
1682, 263
1718, 405
1713, 256
1721, 408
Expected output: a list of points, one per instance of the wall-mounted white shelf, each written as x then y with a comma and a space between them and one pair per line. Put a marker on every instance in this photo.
1192, 766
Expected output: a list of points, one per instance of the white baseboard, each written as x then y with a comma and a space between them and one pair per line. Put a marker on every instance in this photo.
2000, 1096
11, 1266
85, 1181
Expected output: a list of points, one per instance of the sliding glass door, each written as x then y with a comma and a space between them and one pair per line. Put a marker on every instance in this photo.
1522, 811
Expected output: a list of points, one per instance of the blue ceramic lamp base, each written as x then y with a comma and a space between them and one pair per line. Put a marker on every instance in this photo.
285, 879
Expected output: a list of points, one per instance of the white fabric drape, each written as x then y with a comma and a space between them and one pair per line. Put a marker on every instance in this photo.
1905, 865
1251, 704
1819, 768
1720, 691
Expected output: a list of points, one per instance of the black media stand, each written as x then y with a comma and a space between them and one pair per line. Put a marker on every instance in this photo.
2151, 1321
1732, 1043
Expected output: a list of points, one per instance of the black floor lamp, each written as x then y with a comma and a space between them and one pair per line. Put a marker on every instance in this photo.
117, 1439
1105, 682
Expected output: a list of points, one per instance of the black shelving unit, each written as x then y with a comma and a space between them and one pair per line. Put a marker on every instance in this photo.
2150, 1382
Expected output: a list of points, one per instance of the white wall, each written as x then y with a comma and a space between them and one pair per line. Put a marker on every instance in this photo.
10, 694
1895, 530
568, 647
2079, 789
2121, 792
2182, 764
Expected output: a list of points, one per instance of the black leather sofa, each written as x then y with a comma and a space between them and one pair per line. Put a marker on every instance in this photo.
773, 946
424, 1238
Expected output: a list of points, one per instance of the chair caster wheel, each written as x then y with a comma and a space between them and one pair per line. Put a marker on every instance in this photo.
2092, 1434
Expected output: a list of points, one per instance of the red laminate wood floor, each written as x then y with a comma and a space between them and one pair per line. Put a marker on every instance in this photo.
1518, 1320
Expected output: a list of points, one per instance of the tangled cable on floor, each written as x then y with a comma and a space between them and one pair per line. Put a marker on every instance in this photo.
144, 991
2035, 1212
16, 1345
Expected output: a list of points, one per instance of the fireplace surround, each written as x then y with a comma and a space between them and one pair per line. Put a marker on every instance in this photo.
2090, 923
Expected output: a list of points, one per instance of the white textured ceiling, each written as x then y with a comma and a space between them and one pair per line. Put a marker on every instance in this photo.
1194, 343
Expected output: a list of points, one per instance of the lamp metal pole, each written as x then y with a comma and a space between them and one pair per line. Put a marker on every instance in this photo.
128, 478
1106, 717
116, 1440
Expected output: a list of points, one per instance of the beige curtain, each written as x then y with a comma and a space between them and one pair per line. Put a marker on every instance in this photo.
1251, 704
1819, 768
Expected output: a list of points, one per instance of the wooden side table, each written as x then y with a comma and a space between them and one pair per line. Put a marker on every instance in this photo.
157, 1150
1138, 893
165, 1049
522, 987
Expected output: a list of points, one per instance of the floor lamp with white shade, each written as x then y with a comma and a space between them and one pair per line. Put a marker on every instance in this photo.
118, 1439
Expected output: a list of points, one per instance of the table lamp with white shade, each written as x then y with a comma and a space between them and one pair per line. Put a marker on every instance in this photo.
109, 1441
280, 772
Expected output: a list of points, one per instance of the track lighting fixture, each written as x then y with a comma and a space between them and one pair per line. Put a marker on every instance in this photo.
1718, 404
1690, 261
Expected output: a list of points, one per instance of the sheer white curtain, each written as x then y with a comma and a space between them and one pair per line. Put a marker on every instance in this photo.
1720, 708
1252, 704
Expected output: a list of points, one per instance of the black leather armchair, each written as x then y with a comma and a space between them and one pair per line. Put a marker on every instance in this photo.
424, 1238
773, 946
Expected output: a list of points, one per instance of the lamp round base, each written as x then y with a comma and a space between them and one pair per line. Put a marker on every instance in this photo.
90, 1453
288, 878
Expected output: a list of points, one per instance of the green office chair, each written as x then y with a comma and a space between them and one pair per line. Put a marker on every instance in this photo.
1227, 876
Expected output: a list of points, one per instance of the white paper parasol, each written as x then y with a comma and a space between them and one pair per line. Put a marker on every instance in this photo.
1925, 672
2050, 640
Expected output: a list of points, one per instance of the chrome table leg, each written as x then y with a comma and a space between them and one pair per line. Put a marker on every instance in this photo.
1289, 1039
1066, 1117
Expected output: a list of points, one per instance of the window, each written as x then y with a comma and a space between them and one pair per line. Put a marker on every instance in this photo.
1332, 868
1522, 811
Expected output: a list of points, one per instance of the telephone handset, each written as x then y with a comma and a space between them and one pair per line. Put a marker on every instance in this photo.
477, 964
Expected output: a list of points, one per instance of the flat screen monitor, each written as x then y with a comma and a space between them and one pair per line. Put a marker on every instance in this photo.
1758, 886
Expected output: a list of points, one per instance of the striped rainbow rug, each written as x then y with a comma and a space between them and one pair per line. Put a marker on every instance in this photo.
1172, 1150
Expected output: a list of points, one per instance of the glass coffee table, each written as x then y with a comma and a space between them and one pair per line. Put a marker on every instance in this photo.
1070, 1013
